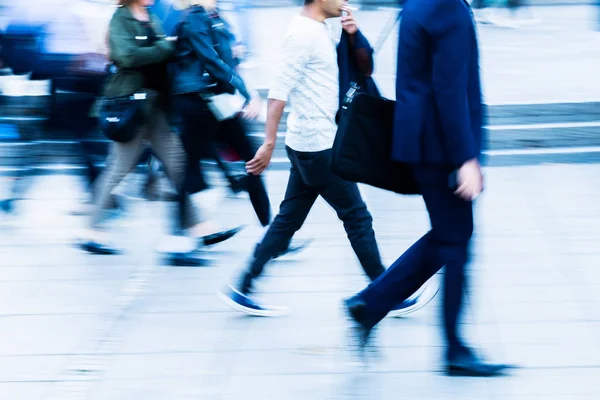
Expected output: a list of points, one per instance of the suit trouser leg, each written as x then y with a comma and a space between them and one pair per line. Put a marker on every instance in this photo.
446, 244
299, 199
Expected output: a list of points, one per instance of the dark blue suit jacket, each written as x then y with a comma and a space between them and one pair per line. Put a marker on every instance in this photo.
439, 110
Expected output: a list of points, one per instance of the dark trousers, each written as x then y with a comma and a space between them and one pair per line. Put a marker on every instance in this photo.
446, 244
200, 131
310, 177
70, 111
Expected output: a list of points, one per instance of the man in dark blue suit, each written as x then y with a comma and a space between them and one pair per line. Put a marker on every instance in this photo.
438, 131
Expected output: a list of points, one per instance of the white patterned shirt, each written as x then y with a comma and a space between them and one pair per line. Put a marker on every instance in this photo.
308, 77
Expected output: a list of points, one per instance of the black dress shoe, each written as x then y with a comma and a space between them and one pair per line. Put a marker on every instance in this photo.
184, 260
98, 248
215, 238
466, 363
361, 332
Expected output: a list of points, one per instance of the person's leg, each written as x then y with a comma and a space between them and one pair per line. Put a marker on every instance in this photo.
198, 128
169, 150
299, 199
120, 161
346, 200
446, 244
233, 133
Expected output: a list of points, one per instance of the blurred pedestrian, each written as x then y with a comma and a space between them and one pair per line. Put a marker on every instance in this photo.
439, 118
140, 53
309, 78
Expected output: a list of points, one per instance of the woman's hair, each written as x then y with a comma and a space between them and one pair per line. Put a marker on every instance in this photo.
126, 2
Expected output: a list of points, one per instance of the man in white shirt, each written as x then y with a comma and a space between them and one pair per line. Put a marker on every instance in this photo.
308, 77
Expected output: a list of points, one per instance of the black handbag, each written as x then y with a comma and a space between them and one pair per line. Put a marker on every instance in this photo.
121, 117
363, 142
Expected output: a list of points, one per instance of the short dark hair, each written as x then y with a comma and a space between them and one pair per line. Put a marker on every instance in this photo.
307, 2
127, 2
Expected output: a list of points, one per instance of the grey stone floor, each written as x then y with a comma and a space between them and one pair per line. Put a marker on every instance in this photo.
77, 326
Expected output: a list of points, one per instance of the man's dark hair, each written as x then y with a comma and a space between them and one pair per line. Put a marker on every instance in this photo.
307, 2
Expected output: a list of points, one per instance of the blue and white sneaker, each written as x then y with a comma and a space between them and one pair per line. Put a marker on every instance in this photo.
245, 304
418, 300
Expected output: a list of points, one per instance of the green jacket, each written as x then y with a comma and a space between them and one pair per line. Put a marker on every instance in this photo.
126, 36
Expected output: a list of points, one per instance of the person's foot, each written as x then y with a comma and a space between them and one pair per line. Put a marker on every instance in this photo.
95, 242
184, 260
94, 247
361, 333
466, 363
295, 246
420, 299
243, 303
219, 237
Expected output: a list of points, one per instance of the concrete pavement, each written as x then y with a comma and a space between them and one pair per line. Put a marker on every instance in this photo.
77, 326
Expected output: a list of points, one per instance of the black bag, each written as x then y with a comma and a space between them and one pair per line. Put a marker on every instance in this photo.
121, 117
363, 142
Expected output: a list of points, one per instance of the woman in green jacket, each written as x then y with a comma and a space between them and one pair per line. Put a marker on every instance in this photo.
139, 51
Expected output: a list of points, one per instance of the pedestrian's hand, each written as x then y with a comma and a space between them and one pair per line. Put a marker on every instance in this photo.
239, 51
261, 160
470, 180
348, 21
252, 109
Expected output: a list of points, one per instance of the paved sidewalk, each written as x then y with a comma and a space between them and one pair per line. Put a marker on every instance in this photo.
77, 326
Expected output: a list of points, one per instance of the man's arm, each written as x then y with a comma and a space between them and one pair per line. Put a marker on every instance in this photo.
450, 28
363, 53
294, 56
359, 45
274, 112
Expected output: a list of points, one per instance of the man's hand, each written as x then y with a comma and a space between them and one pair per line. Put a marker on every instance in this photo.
348, 21
252, 109
261, 159
470, 180
239, 51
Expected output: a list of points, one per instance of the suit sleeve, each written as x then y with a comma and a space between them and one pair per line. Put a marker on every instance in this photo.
363, 54
450, 29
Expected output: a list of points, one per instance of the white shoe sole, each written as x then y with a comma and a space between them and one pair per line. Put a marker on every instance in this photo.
428, 294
